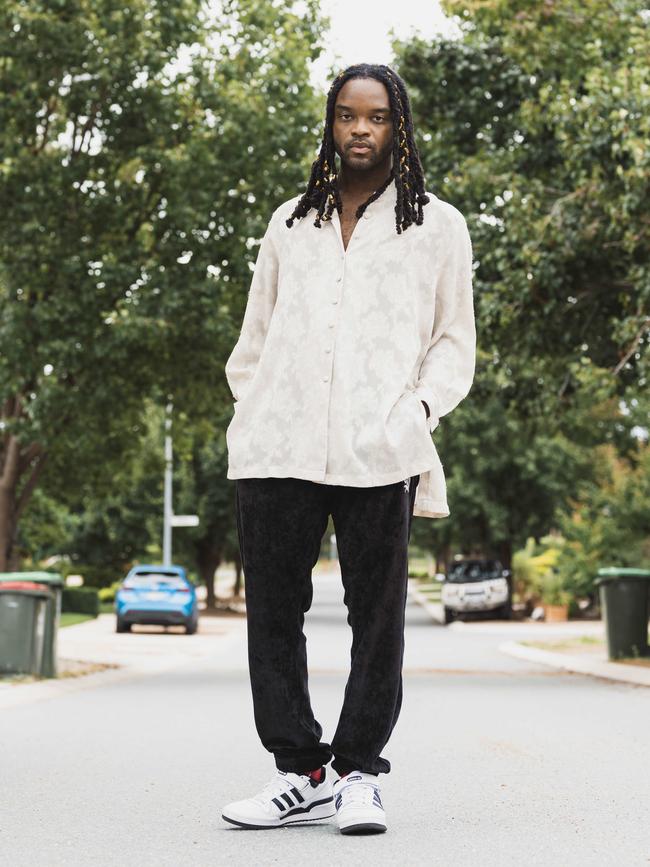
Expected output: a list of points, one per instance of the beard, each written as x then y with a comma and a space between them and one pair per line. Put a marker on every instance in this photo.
363, 162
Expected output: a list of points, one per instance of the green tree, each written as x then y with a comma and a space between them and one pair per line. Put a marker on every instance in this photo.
609, 522
532, 123
90, 116
108, 532
136, 187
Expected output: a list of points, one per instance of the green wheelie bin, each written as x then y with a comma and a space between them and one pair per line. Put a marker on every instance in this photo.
53, 581
625, 603
23, 615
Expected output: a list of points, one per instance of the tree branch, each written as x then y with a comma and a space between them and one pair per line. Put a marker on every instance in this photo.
32, 451
637, 339
28, 487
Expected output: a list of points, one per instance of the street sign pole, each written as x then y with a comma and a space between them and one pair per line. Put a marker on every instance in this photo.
167, 505
169, 518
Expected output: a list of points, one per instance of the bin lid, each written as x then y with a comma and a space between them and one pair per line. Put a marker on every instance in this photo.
30, 588
612, 573
52, 578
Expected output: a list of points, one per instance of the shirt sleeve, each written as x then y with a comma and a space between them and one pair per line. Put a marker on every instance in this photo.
242, 362
447, 370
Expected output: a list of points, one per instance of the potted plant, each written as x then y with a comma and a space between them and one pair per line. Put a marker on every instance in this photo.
555, 597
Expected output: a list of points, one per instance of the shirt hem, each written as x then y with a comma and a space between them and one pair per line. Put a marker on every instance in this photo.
427, 508
363, 481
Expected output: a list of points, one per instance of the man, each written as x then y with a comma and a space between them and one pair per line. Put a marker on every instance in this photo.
357, 337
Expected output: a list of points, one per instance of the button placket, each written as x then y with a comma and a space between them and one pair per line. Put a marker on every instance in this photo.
332, 323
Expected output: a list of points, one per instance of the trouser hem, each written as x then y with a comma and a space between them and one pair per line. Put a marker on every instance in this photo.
303, 765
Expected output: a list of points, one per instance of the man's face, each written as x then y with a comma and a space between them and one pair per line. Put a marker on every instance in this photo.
362, 116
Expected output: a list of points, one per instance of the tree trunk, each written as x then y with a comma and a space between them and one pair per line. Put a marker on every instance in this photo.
238, 577
207, 561
7, 528
505, 553
8, 495
442, 558
20, 467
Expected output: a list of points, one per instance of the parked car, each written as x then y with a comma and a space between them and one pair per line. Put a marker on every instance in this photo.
476, 585
160, 595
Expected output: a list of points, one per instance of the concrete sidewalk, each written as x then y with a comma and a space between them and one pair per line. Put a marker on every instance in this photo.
144, 651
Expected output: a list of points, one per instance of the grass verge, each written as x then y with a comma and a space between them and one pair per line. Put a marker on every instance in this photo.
584, 644
70, 618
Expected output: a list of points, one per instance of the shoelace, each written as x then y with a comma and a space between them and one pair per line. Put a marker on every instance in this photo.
358, 793
275, 786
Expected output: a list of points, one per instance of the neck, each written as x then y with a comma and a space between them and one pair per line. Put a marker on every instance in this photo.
355, 184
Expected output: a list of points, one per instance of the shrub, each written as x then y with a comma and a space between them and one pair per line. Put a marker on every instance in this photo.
80, 600
553, 589
532, 566
107, 594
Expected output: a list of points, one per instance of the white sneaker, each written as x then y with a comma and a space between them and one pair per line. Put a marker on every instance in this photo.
358, 804
286, 800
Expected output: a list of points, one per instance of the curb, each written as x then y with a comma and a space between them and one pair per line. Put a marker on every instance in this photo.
616, 671
27, 693
432, 608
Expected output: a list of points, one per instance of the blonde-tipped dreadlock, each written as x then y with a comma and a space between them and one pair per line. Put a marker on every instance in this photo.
322, 191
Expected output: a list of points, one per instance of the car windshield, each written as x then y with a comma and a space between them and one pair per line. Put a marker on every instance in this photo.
474, 570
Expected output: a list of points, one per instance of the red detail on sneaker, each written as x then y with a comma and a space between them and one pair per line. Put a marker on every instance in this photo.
316, 775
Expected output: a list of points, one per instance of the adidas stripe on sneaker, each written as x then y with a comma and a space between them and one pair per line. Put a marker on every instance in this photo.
287, 799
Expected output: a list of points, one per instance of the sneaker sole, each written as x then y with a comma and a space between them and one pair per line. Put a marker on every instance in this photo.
319, 810
363, 828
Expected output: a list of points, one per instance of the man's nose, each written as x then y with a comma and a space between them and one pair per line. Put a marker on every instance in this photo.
360, 127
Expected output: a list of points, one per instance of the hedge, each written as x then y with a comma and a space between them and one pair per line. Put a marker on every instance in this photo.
80, 600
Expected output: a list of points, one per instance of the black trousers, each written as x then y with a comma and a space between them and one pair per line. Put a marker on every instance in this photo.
281, 522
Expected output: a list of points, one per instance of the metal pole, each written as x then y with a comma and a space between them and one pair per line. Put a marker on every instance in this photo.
167, 507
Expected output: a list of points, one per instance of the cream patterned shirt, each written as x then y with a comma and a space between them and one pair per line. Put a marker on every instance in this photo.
338, 349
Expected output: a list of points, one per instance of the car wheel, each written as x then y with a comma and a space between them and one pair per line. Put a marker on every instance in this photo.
191, 626
122, 626
450, 615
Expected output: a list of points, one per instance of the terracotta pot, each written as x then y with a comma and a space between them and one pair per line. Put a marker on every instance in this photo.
556, 613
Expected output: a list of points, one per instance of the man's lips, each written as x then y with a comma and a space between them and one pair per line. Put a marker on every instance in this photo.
359, 146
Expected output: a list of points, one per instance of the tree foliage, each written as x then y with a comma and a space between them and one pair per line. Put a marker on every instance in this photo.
141, 150
533, 124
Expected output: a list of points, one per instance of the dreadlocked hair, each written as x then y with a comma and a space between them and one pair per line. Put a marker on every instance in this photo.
322, 190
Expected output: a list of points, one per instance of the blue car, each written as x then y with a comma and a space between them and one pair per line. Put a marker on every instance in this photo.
160, 595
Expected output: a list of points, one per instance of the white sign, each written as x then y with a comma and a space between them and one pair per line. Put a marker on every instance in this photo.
185, 520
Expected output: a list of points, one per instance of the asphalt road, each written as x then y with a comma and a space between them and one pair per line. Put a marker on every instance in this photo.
494, 761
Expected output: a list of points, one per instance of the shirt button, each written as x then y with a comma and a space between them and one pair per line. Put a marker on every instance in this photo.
338, 279
326, 379
335, 300
330, 325
329, 349
366, 216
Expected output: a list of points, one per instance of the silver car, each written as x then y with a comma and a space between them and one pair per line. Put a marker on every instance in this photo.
476, 585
